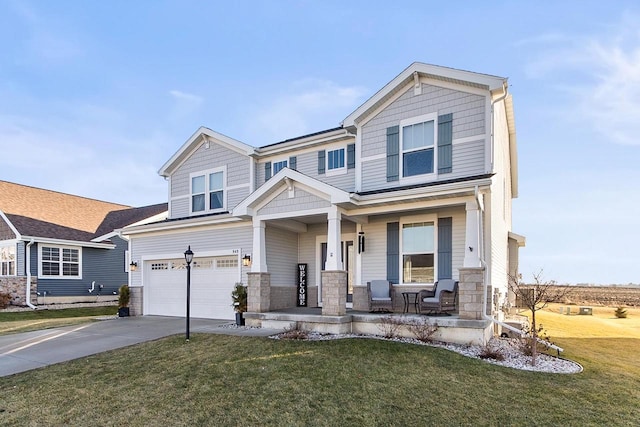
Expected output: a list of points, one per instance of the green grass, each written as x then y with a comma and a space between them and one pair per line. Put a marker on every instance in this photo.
25, 321
224, 380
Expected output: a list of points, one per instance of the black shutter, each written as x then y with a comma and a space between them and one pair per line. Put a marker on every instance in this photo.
293, 162
393, 153
445, 140
445, 243
393, 252
267, 171
351, 156
321, 162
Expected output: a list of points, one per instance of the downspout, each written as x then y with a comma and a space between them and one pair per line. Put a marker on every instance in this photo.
28, 268
486, 282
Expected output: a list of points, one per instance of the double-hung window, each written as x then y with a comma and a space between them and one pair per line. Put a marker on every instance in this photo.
418, 138
8, 260
207, 191
60, 262
418, 252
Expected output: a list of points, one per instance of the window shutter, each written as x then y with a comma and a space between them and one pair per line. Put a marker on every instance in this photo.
393, 150
351, 156
293, 163
321, 162
445, 243
393, 252
445, 139
267, 171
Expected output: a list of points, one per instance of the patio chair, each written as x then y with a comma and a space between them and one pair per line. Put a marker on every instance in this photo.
443, 299
380, 295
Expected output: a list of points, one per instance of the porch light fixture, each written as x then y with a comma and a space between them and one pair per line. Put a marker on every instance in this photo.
188, 257
133, 266
360, 242
246, 260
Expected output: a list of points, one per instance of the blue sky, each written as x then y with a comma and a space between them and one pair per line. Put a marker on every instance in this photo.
96, 96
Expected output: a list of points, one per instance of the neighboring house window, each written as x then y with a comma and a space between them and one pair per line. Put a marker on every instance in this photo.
8, 260
58, 262
278, 166
418, 148
207, 191
418, 252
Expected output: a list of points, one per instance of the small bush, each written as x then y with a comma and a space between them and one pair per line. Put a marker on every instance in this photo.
422, 328
527, 342
123, 296
621, 313
5, 299
491, 352
389, 326
294, 334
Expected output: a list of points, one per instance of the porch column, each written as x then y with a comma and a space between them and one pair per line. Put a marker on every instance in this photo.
470, 292
471, 242
334, 278
259, 258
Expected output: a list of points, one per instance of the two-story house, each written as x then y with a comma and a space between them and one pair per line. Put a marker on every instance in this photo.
414, 186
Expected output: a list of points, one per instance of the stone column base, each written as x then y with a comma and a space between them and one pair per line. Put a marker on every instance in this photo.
470, 293
334, 293
16, 287
360, 298
259, 292
135, 300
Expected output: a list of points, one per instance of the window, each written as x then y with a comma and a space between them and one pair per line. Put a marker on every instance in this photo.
418, 243
207, 191
278, 166
59, 262
8, 260
418, 148
335, 159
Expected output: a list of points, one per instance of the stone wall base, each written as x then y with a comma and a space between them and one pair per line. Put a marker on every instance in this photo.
135, 300
259, 292
470, 293
334, 297
16, 287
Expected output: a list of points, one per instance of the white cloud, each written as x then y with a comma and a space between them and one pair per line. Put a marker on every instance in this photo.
188, 97
600, 73
185, 105
311, 105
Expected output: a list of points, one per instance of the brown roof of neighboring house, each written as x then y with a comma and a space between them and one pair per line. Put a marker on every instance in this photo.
44, 213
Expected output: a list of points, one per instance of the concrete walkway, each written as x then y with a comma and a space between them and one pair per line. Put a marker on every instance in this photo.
31, 350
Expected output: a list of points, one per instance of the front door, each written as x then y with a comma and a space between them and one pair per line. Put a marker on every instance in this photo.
348, 261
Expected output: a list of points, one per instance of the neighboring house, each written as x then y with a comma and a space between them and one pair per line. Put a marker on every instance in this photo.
58, 247
414, 186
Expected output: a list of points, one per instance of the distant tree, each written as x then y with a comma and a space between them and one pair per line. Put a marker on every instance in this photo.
535, 297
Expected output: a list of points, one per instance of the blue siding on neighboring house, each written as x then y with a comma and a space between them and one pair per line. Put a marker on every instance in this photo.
104, 266
393, 252
445, 247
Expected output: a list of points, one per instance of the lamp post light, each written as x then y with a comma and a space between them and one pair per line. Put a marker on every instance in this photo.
188, 257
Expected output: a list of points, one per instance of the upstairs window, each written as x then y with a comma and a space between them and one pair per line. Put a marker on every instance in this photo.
207, 191
59, 262
8, 260
278, 166
418, 146
335, 159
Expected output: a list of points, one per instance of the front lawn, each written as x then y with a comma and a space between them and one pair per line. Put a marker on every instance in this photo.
25, 321
226, 380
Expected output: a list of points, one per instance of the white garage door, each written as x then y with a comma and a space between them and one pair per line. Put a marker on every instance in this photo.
212, 280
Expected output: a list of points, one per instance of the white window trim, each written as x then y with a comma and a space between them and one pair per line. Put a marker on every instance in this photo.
336, 171
60, 276
413, 220
206, 174
14, 245
415, 179
273, 163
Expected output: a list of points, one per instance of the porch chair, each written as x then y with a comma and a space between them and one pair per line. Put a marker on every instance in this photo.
442, 299
380, 295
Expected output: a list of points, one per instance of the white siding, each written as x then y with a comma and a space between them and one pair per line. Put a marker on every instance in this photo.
282, 256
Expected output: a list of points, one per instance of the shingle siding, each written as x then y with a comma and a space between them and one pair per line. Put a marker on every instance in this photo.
5, 231
302, 201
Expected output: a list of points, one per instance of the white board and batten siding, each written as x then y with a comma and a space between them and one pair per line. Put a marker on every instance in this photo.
238, 171
469, 121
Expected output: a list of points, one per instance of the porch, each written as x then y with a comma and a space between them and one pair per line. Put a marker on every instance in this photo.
452, 329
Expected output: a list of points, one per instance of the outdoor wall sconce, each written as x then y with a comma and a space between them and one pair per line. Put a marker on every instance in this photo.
246, 260
360, 242
133, 266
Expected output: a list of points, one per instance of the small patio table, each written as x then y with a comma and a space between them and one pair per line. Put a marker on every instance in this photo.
409, 299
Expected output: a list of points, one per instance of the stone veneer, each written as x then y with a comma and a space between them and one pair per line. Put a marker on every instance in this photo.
470, 292
16, 286
135, 300
334, 297
282, 297
259, 292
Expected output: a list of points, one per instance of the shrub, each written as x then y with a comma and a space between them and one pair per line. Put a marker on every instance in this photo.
528, 341
389, 326
491, 352
239, 298
294, 334
621, 313
123, 296
422, 328
5, 299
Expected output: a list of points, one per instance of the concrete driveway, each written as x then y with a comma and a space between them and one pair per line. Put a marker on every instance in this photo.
31, 350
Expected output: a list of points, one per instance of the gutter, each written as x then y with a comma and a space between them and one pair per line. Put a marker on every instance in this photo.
486, 283
28, 268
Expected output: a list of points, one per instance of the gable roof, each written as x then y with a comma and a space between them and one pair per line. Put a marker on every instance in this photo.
446, 74
202, 135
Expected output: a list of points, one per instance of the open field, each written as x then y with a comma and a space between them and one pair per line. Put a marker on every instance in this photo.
225, 380
25, 321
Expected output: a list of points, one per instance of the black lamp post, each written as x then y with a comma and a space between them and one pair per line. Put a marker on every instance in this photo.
188, 257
